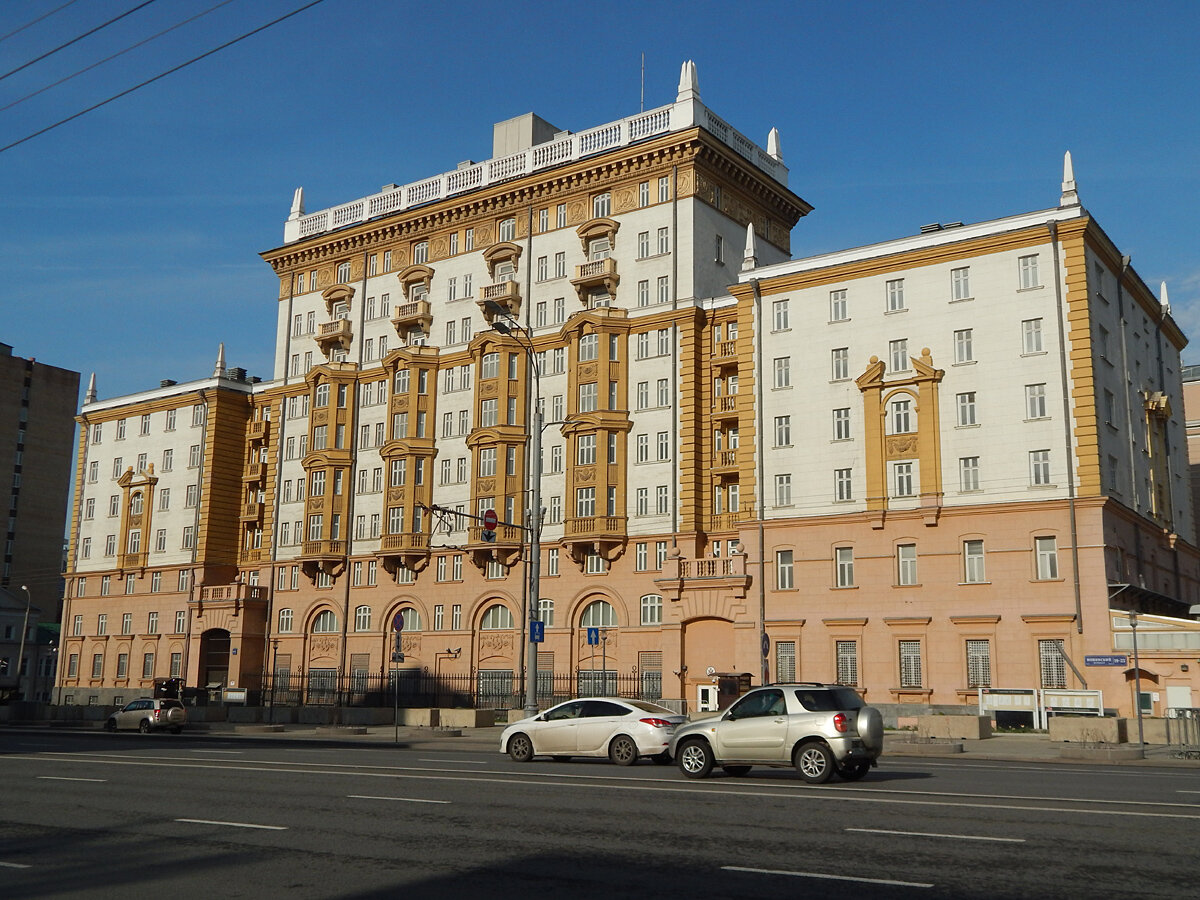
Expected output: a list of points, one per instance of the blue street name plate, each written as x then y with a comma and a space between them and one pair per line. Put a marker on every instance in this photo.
1110, 660
537, 632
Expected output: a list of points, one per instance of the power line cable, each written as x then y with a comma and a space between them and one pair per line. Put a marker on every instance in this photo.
158, 77
35, 21
75, 40
115, 55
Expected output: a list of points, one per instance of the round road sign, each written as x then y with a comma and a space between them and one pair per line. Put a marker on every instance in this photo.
398, 622
766, 645
490, 519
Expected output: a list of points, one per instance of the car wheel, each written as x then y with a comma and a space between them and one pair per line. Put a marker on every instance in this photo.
110, 725
662, 759
695, 759
814, 762
144, 726
736, 771
623, 751
853, 771
520, 747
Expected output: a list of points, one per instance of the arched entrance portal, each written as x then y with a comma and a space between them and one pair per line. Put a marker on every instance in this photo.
214, 658
708, 649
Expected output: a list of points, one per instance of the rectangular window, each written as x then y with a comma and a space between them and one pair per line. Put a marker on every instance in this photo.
895, 295
1035, 401
780, 316
643, 244
1052, 664
785, 661
664, 188
910, 664
960, 284
902, 479
838, 310
147, 665
841, 424
784, 570
641, 556
846, 653
664, 240
1031, 336
783, 490
898, 355
906, 565
783, 371
661, 500
966, 408
1046, 550
1039, 467
841, 363
643, 293
1028, 267
97, 665
842, 485
979, 664
783, 431
585, 502
968, 473
587, 397
964, 346
844, 566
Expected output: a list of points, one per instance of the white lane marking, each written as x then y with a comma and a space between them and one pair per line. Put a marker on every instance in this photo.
218, 751
234, 824
65, 778
400, 799
456, 762
8, 865
934, 834
822, 875
805, 796
1187, 792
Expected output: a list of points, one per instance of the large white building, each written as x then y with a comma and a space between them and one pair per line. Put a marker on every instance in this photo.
918, 467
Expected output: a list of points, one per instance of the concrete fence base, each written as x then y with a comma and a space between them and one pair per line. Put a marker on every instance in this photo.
964, 728
1089, 730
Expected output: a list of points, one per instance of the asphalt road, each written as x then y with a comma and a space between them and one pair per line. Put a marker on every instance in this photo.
98, 815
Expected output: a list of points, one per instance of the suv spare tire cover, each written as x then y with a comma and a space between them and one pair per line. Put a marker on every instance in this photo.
870, 728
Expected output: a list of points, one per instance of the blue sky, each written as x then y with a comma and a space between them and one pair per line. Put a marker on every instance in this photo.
129, 238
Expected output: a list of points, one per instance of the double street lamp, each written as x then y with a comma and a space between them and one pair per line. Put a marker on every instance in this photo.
504, 323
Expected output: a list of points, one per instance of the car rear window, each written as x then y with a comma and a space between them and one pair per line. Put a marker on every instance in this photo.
828, 699
651, 707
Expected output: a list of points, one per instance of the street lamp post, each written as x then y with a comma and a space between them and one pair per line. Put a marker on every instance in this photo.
24, 630
505, 324
1137, 680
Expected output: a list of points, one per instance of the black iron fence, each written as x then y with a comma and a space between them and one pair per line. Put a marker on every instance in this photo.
483, 689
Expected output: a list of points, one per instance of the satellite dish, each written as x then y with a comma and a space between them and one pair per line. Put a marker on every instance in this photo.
711, 670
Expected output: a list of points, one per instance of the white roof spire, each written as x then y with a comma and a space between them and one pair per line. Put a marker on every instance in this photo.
90, 396
219, 368
1070, 197
297, 204
773, 149
750, 257
689, 83
1164, 299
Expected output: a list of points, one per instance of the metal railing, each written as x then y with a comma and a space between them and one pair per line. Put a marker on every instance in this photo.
1183, 732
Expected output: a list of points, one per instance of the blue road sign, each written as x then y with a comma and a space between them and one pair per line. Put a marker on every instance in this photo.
1109, 660
537, 631
593, 636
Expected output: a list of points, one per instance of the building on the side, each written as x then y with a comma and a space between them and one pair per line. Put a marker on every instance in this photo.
37, 421
722, 426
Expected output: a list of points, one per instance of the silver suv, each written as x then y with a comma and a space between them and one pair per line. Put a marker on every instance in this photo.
818, 728
146, 715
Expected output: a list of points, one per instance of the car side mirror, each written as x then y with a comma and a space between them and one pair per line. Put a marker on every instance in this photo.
729, 717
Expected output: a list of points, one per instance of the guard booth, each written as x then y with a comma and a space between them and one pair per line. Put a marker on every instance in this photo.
730, 686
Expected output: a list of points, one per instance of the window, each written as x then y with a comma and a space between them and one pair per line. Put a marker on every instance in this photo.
102, 624
837, 306
506, 231
643, 293
783, 490
900, 420
285, 621
587, 397
664, 240
181, 614
362, 618
964, 346
598, 614
601, 206
589, 347
895, 295
841, 424
785, 661
902, 479
968, 473
910, 664
1046, 553
664, 446
343, 273
1052, 664
642, 502
780, 319
661, 500
585, 502
325, 622
960, 284
98, 665
652, 609
641, 557
846, 653
1035, 401
898, 355
784, 570
844, 567
842, 485
1039, 467
972, 563
147, 665
1031, 336
979, 664
841, 363
663, 391
644, 194
783, 371
586, 450
966, 408
495, 618
906, 564
1028, 268
783, 431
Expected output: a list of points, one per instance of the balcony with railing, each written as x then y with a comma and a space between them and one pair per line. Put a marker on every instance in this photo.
724, 352
602, 535
505, 293
416, 315
725, 407
254, 471
505, 545
720, 572
729, 521
258, 430
409, 549
725, 460
252, 511
597, 275
337, 333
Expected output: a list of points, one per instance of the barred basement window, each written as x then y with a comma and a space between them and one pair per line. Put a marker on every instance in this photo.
785, 661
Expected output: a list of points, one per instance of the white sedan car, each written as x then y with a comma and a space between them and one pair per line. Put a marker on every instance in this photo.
622, 730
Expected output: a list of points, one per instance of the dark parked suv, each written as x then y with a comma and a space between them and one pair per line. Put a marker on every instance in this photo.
818, 728
147, 715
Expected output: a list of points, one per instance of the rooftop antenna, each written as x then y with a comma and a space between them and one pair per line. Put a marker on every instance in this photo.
642, 102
